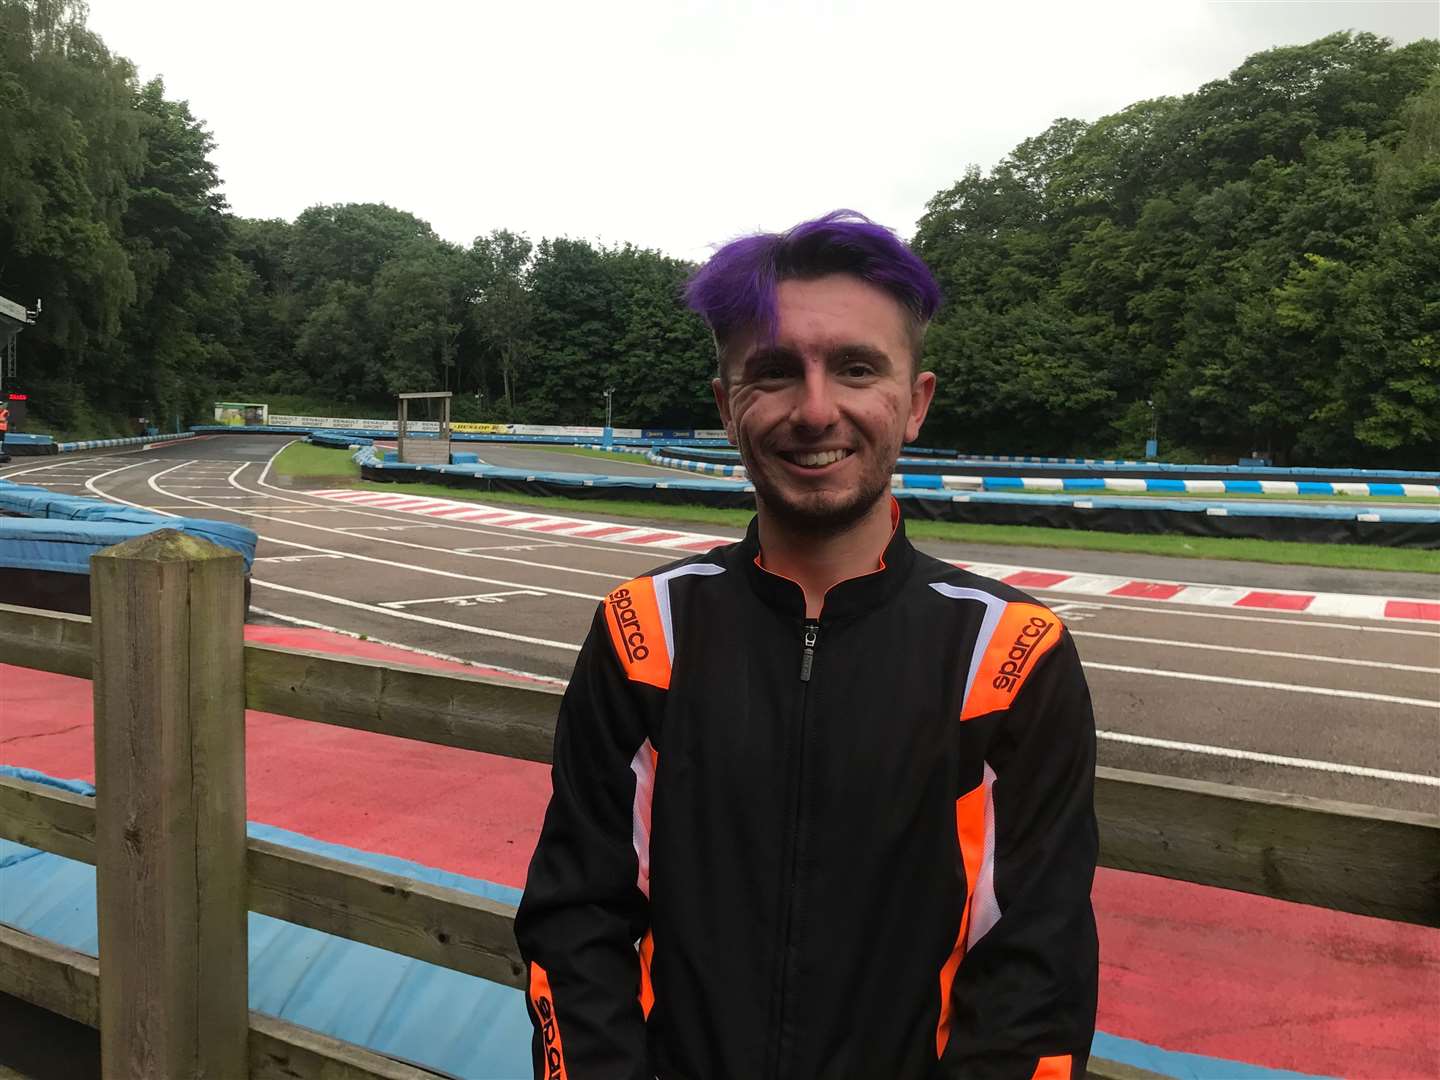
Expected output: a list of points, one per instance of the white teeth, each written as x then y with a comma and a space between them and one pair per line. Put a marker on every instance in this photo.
826, 458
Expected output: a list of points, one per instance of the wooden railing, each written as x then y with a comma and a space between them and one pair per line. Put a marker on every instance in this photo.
176, 873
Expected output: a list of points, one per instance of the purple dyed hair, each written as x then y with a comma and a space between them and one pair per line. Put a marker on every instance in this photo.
735, 291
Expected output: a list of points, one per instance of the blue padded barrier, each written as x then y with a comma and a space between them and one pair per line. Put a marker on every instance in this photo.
61, 532
66, 546
337, 439
1098, 467
1012, 492
137, 440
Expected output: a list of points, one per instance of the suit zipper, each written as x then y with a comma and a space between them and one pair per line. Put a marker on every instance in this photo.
809, 639
807, 657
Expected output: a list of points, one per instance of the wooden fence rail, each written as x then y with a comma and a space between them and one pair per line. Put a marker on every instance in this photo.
171, 682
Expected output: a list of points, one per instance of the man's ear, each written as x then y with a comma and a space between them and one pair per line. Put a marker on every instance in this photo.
922, 392
722, 402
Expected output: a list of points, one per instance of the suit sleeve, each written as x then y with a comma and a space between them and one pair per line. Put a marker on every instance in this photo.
583, 910
1023, 1000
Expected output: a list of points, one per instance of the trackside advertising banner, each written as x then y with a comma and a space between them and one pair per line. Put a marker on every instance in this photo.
351, 423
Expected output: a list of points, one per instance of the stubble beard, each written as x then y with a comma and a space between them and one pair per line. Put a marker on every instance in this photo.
818, 515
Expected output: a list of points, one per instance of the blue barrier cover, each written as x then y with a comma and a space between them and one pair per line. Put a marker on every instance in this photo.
61, 532
66, 546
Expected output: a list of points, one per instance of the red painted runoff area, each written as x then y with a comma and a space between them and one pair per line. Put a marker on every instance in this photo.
1184, 967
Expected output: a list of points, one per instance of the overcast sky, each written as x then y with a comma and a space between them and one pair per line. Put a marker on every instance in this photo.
671, 125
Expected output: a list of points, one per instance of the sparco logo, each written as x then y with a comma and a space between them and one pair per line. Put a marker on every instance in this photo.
622, 610
1031, 634
554, 1066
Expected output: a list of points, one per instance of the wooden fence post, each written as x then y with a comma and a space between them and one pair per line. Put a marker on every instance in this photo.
170, 800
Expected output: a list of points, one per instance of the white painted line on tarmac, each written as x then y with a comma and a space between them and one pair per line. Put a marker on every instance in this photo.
266, 471
410, 616
465, 553
90, 484
378, 540
390, 528
483, 666
1253, 652
328, 551
547, 590
291, 558
1264, 684
466, 600
1289, 624
1270, 759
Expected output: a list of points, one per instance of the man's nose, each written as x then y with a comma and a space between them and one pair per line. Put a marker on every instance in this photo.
815, 407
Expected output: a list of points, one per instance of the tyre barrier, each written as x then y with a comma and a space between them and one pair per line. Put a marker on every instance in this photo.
963, 473
1386, 526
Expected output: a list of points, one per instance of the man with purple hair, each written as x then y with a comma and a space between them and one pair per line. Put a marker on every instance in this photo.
823, 804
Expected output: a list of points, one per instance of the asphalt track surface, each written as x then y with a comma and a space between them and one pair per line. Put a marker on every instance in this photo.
1338, 708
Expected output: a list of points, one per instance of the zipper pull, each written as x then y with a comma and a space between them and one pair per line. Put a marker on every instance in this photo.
807, 658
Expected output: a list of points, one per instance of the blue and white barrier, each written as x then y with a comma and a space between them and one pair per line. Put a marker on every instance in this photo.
926, 493
1088, 484
1426, 481
1166, 486
657, 457
134, 440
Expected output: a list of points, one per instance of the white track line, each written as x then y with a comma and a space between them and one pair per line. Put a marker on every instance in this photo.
90, 486
1262, 684
25, 469
409, 617
1254, 652
1290, 623
1270, 759
151, 482
341, 554
508, 534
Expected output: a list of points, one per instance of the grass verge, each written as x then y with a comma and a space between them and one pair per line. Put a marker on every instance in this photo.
304, 459
1342, 556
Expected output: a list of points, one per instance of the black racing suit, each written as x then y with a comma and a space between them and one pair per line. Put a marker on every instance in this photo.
857, 847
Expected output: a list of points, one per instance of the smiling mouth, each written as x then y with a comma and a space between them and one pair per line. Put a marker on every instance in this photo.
816, 459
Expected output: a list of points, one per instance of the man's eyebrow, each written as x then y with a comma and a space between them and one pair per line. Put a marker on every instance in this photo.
767, 353
856, 351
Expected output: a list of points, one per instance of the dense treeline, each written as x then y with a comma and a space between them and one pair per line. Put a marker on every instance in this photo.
1259, 259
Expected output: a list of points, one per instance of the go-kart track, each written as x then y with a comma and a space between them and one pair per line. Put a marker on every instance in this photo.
1337, 697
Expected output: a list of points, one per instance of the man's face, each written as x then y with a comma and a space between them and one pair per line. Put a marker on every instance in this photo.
821, 413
